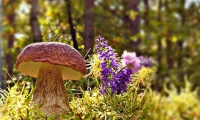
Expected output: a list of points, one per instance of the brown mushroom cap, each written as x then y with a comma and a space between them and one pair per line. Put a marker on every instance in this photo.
68, 59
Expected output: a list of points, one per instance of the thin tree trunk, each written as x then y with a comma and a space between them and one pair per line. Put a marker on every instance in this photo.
9, 57
134, 25
2, 82
169, 44
88, 36
146, 13
170, 61
10, 16
159, 39
158, 83
35, 27
70, 20
180, 42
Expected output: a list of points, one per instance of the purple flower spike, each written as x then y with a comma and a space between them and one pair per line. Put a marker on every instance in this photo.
109, 63
131, 61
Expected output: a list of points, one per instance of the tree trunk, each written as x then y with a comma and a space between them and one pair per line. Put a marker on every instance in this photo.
10, 17
2, 82
146, 13
169, 44
180, 42
159, 58
158, 83
70, 20
88, 36
169, 57
133, 24
35, 28
9, 57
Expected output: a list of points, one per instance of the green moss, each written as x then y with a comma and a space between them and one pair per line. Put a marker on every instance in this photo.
16, 103
177, 105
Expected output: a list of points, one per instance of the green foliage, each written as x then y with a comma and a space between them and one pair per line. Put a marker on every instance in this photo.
177, 105
17, 103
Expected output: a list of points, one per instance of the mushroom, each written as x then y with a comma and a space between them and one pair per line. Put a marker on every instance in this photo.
51, 63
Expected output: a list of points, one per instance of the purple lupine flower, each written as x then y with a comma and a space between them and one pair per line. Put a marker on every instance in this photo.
146, 62
114, 79
130, 60
109, 63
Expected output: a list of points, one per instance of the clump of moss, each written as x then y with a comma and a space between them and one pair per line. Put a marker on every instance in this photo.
16, 103
177, 105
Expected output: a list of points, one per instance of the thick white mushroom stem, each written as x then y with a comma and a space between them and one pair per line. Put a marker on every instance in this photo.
50, 92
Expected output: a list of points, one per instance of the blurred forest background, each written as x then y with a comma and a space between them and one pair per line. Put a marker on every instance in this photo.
165, 30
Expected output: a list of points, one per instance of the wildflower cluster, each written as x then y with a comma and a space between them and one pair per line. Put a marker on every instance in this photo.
116, 75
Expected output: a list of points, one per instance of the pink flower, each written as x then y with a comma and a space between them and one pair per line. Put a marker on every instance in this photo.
130, 60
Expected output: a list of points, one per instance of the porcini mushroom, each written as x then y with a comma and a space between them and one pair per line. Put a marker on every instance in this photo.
51, 63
